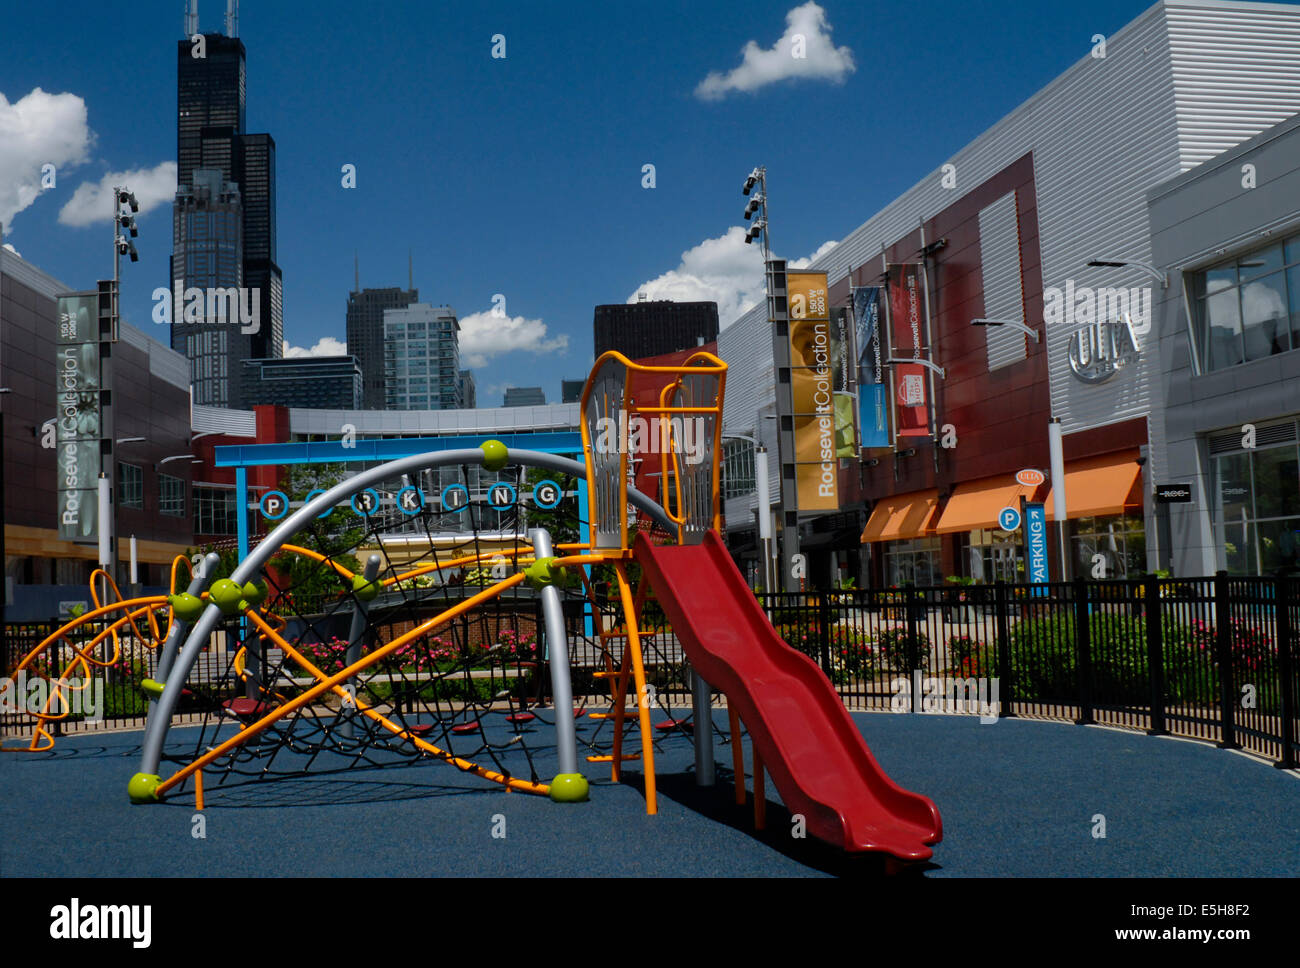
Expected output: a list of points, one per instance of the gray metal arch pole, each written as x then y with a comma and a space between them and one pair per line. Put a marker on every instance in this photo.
155, 732
557, 659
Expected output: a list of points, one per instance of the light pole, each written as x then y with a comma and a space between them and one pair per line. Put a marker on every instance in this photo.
122, 245
4, 554
779, 322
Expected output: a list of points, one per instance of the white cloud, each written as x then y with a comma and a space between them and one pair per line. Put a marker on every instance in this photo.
36, 130
723, 270
483, 336
325, 346
805, 262
13, 250
804, 50
93, 201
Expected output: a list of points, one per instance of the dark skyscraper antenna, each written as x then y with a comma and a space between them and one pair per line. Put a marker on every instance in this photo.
410, 270
232, 18
191, 18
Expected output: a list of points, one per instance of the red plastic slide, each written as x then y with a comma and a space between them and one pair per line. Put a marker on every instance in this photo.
808, 742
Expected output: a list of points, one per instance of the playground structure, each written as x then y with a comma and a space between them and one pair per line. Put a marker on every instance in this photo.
427, 652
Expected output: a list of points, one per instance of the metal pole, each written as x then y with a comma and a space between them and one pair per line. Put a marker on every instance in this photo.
702, 707
780, 323
1056, 449
764, 516
569, 784
358, 628
4, 511
929, 349
4, 554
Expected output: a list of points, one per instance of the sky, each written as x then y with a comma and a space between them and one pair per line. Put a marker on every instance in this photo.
516, 181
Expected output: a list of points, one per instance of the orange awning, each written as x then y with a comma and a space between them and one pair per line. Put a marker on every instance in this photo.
976, 504
1099, 486
902, 516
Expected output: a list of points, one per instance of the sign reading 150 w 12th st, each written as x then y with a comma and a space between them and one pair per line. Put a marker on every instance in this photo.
812, 380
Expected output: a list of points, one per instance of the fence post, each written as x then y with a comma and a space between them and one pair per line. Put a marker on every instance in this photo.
824, 620
1083, 643
1223, 657
1286, 680
1155, 655
1000, 624
913, 646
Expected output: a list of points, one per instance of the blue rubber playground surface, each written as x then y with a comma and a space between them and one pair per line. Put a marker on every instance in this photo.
1018, 798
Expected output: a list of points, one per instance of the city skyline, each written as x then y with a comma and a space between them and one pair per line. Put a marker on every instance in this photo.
703, 118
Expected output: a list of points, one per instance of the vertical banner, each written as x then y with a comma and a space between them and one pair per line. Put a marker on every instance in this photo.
77, 415
812, 377
846, 438
873, 388
1036, 542
907, 314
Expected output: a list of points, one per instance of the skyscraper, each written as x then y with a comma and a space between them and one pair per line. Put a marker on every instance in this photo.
256, 178
317, 382
653, 328
207, 265
468, 390
422, 358
524, 397
210, 137
366, 337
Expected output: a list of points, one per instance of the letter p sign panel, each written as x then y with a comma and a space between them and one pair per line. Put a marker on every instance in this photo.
274, 504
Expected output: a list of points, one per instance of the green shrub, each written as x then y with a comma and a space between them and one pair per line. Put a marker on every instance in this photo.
1044, 655
901, 652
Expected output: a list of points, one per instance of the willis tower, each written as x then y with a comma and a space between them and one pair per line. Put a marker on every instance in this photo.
224, 215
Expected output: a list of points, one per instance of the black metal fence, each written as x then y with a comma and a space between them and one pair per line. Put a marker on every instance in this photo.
1208, 658
109, 697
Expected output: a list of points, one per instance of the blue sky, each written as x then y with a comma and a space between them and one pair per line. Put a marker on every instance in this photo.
519, 175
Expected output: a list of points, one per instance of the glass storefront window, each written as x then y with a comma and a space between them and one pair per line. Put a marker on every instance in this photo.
1257, 509
1119, 540
914, 562
994, 556
1249, 308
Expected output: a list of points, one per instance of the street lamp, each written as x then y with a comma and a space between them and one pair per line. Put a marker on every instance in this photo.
757, 205
917, 361
122, 246
1013, 323
1156, 274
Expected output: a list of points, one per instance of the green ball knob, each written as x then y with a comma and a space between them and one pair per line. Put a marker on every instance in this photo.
226, 595
151, 688
541, 573
254, 592
364, 589
143, 788
569, 788
495, 454
186, 607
